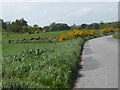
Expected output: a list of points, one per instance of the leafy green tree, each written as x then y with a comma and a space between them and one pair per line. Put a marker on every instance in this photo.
35, 27
14, 27
46, 28
3, 24
40, 28
18, 25
21, 22
83, 26
58, 27
26, 29
94, 26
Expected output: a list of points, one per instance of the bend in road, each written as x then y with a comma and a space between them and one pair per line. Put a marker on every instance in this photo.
100, 64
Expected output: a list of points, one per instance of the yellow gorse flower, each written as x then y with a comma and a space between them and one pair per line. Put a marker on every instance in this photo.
82, 34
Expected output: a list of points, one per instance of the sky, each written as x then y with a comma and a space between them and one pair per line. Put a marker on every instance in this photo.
44, 13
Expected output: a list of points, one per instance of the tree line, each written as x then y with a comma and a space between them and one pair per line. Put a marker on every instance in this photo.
21, 26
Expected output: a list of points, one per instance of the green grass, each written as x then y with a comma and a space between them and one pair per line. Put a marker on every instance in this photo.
116, 35
28, 36
41, 64
53, 66
13, 48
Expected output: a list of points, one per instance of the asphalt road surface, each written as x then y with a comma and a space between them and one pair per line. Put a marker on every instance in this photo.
100, 64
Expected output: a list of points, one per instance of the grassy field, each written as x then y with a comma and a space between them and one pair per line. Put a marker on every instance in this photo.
13, 48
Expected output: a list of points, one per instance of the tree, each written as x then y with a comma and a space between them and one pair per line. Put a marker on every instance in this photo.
26, 29
53, 27
22, 22
58, 27
18, 25
83, 26
74, 27
61, 27
3, 24
102, 25
35, 27
14, 27
46, 28
8, 23
40, 28
94, 26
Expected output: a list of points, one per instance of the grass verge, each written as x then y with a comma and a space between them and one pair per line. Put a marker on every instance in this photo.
54, 66
116, 35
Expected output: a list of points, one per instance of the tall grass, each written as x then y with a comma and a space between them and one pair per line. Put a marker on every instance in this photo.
51, 67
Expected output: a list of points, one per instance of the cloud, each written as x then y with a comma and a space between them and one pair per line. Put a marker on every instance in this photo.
78, 13
81, 12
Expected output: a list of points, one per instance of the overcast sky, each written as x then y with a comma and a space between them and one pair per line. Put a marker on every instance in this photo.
44, 13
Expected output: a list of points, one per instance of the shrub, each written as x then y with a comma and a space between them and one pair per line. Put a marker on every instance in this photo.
82, 34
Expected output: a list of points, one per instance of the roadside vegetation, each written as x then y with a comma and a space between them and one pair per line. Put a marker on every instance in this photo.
46, 64
54, 66
116, 35
83, 34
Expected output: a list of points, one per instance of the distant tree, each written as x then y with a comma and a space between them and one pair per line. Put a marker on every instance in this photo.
61, 26
40, 28
14, 27
58, 27
8, 23
74, 27
52, 27
46, 28
3, 24
102, 25
22, 22
35, 27
93, 26
18, 25
26, 29
83, 26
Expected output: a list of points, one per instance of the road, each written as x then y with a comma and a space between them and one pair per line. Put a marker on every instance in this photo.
100, 64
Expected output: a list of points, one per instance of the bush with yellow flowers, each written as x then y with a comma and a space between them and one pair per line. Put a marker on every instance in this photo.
108, 30
62, 37
81, 34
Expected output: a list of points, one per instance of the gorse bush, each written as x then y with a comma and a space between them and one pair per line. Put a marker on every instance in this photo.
51, 67
81, 34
